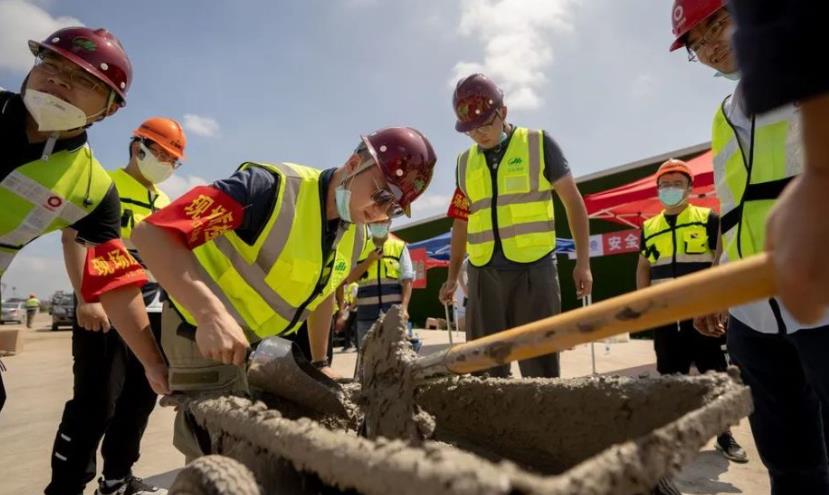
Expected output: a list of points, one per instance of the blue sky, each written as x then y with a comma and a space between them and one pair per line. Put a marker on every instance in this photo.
301, 80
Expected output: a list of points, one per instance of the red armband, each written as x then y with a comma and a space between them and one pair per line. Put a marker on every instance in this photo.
459, 208
109, 266
200, 215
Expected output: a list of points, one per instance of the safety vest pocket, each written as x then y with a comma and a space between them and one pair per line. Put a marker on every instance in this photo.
695, 243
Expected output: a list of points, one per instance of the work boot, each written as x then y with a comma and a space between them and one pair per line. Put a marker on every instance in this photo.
730, 449
131, 485
666, 487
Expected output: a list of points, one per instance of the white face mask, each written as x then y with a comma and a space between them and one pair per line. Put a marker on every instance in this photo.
51, 113
153, 169
732, 76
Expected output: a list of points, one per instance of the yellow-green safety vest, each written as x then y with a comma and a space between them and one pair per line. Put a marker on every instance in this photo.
518, 204
750, 179
137, 202
47, 195
32, 303
381, 282
271, 286
673, 251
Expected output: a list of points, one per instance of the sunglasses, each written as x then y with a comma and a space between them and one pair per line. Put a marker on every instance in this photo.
385, 197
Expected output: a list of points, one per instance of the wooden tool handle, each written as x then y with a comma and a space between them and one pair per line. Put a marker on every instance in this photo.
698, 294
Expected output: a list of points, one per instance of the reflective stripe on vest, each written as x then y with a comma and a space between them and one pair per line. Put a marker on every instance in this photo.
273, 285
381, 282
137, 202
43, 196
749, 179
518, 203
678, 250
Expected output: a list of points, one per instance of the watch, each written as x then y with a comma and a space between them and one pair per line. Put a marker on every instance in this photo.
322, 363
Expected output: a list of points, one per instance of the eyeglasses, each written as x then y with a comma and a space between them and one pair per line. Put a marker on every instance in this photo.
484, 127
711, 34
386, 197
50, 65
160, 153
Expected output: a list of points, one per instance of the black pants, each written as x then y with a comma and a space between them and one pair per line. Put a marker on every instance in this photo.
502, 299
112, 399
789, 380
679, 345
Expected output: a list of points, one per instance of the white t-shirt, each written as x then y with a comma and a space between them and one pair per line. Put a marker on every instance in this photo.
759, 315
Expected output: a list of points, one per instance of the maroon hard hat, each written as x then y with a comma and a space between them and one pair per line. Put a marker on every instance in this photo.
95, 50
688, 14
475, 100
407, 160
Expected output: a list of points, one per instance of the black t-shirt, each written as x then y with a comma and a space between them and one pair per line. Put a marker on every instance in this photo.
104, 222
781, 47
712, 228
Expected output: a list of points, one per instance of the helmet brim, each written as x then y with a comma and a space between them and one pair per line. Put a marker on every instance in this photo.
36, 47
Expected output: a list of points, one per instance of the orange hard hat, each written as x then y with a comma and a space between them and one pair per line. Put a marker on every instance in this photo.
674, 165
165, 132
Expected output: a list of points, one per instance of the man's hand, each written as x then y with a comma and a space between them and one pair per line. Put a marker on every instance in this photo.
92, 317
375, 254
404, 314
712, 325
447, 291
330, 373
797, 235
157, 378
220, 338
583, 279
341, 320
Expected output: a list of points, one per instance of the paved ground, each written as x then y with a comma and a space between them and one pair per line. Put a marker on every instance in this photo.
39, 379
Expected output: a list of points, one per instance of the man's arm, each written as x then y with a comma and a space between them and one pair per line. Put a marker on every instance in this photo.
579, 226
319, 327
218, 335
457, 249
125, 306
643, 273
407, 274
90, 316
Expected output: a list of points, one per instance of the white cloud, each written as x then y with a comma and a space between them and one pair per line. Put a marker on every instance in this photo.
643, 86
21, 21
201, 125
516, 43
179, 184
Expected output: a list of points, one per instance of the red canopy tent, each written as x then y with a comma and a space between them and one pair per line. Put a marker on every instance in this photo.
632, 204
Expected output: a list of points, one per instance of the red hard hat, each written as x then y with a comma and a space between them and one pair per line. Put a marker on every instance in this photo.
674, 165
687, 14
476, 98
407, 160
95, 50
165, 132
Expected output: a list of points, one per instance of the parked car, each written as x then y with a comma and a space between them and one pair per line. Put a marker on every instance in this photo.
13, 311
63, 310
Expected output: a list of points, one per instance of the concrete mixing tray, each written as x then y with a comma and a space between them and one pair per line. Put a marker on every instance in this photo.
591, 436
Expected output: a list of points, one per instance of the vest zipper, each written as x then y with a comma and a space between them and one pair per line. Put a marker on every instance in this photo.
493, 177
673, 240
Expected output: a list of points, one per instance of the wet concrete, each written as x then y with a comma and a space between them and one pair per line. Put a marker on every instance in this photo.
388, 384
591, 436
608, 436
